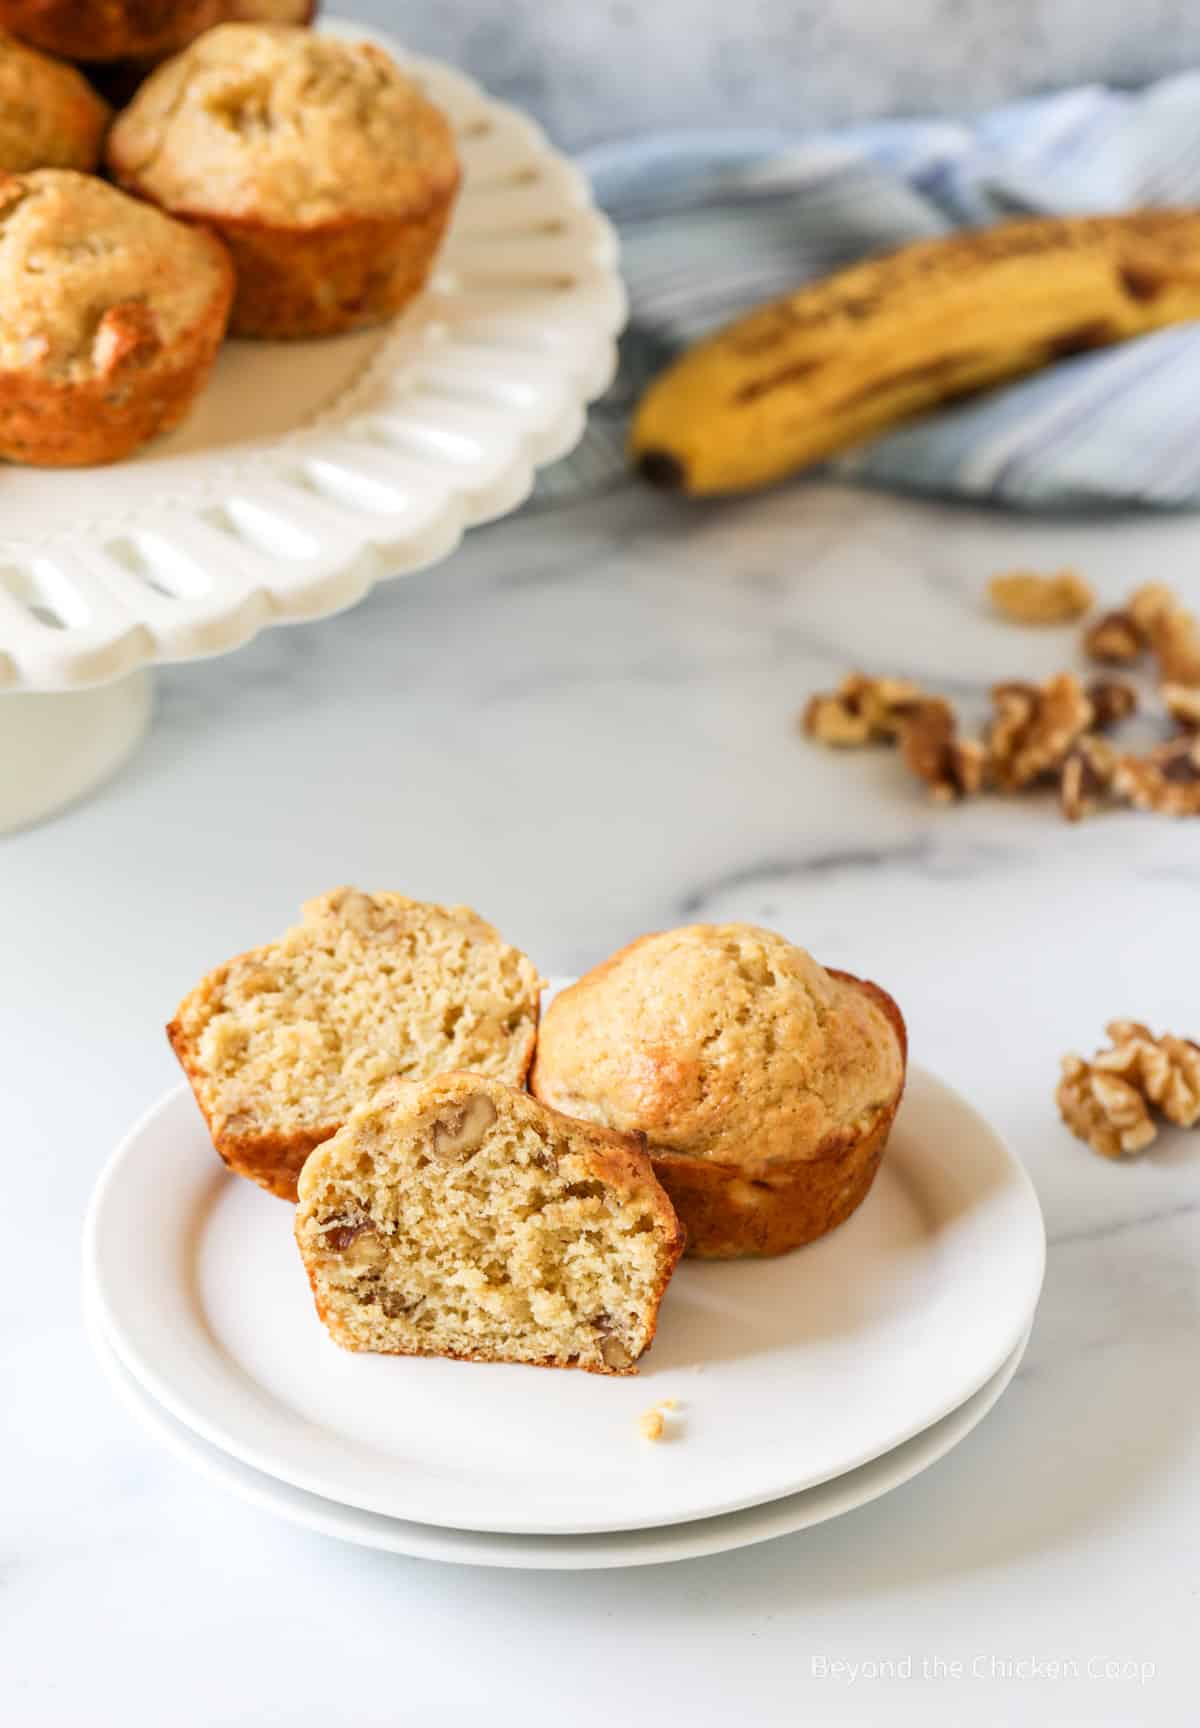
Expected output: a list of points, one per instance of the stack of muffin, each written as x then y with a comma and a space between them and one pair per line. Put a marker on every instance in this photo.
270, 183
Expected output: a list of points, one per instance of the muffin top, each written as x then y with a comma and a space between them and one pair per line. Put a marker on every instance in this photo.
50, 117
92, 282
272, 123
108, 29
725, 1042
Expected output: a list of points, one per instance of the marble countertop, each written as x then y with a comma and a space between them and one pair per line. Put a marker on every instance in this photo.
584, 724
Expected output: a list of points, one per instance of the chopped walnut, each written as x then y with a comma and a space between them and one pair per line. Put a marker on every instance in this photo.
1117, 639
1167, 780
1150, 603
1034, 728
1165, 1070
1112, 700
952, 767
1028, 598
1183, 705
1172, 632
860, 711
1085, 779
1103, 1109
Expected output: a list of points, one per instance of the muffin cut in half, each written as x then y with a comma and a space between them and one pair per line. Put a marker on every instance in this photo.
766, 1086
458, 1217
50, 117
282, 1042
111, 315
325, 170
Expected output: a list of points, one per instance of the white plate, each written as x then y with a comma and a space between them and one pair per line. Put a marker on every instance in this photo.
306, 471
788, 1372
689, 1541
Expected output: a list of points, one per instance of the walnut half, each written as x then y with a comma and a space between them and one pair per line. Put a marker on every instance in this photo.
1028, 598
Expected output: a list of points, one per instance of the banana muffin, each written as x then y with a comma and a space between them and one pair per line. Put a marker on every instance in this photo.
766, 1086
281, 1043
109, 29
50, 117
111, 315
324, 169
462, 1218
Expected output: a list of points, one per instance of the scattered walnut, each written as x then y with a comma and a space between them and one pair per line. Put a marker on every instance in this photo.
1175, 640
460, 1133
1034, 728
1150, 603
1032, 599
1086, 777
952, 767
1112, 700
1106, 1111
1167, 780
860, 711
1116, 638
1183, 705
1172, 632
1165, 1070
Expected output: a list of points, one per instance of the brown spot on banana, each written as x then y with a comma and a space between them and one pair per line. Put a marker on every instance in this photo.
839, 361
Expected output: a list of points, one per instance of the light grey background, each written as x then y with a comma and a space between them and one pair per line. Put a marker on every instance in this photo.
592, 69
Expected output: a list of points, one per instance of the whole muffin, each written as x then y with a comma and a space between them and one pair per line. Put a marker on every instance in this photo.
50, 117
110, 318
766, 1086
325, 170
109, 29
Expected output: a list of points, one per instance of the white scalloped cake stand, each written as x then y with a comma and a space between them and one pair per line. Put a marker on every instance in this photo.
308, 471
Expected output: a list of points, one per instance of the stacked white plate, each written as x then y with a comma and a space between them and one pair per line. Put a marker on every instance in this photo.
803, 1386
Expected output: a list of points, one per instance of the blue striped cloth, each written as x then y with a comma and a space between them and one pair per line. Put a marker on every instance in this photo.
713, 223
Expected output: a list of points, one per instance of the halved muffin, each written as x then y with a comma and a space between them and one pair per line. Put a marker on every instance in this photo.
766, 1086
459, 1217
50, 117
324, 168
282, 1042
111, 315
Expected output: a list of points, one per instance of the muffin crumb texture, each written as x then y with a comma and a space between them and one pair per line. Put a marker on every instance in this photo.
459, 1218
282, 1042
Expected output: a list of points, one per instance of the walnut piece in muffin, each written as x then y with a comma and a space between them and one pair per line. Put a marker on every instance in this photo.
110, 318
322, 165
50, 117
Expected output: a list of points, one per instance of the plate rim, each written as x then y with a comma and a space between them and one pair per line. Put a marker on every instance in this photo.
217, 1432
694, 1539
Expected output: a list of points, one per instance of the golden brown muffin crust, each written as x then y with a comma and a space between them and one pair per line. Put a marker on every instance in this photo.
719, 1041
50, 117
765, 1084
111, 315
274, 124
108, 29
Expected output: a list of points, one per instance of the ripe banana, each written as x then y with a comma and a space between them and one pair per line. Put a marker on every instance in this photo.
841, 359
